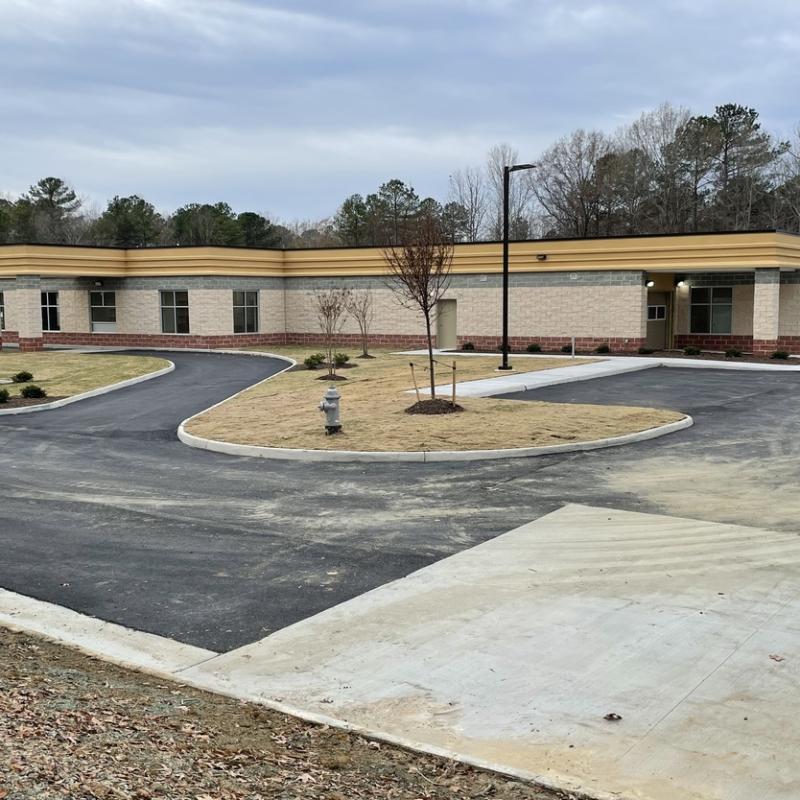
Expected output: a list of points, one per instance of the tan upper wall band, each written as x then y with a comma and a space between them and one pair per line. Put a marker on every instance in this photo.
720, 252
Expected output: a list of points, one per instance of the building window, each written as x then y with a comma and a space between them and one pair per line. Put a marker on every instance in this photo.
50, 312
656, 313
175, 312
245, 312
2, 312
103, 311
712, 309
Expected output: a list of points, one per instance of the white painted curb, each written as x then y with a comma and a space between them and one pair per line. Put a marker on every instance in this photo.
288, 454
75, 398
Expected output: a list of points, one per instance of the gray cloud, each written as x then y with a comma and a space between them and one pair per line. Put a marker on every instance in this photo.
287, 107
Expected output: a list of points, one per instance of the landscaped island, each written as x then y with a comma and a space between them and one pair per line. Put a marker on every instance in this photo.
282, 412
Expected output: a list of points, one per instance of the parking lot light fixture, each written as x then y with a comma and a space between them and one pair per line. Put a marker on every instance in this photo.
507, 170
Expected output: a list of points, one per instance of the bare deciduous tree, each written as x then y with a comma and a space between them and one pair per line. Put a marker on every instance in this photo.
420, 270
361, 308
519, 198
331, 307
468, 189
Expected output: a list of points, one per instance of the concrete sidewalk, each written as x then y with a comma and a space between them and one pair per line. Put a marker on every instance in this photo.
583, 370
512, 654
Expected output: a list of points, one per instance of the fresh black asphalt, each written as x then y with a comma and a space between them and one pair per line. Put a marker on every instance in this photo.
104, 511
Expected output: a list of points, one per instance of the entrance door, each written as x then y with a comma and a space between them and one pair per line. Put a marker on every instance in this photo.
446, 326
657, 320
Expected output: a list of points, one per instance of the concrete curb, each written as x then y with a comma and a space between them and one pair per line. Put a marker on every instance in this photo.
86, 395
424, 456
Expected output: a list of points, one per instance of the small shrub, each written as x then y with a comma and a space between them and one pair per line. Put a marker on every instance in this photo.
691, 351
22, 377
567, 348
33, 392
781, 355
533, 347
314, 360
733, 353
603, 348
340, 359
645, 351
3, 395
468, 346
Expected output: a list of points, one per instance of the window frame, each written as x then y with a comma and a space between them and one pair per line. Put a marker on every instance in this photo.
50, 308
710, 305
171, 308
106, 323
249, 309
657, 317
2, 310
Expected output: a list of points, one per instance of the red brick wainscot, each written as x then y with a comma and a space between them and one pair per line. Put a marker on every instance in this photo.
716, 341
519, 344
164, 340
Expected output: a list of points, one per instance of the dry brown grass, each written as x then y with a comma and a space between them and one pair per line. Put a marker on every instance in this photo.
63, 373
282, 412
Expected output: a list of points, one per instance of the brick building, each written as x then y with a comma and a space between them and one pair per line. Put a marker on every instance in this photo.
716, 291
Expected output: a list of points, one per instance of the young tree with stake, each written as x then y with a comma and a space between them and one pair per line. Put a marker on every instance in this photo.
420, 270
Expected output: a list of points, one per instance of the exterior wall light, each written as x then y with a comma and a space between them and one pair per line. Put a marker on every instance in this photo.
681, 284
650, 284
541, 257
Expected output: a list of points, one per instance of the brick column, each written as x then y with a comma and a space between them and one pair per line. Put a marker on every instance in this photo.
766, 310
28, 302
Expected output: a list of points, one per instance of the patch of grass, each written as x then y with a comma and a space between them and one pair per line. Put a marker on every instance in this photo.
63, 373
283, 412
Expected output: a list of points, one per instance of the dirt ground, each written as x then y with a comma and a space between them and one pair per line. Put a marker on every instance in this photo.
282, 412
73, 727
61, 373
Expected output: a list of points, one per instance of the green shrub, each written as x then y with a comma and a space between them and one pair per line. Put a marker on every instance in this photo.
645, 351
314, 360
468, 346
691, 351
603, 348
3, 395
340, 359
533, 347
22, 377
567, 348
733, 353
33, 392
782, 355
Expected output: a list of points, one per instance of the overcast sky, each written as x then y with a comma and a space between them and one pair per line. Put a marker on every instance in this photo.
288, 107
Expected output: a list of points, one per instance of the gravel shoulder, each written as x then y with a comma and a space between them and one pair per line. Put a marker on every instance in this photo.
73, 727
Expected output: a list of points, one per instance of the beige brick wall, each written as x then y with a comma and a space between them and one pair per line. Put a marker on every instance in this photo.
28, 311
766, 310
210, 312
271, 311
12, 314
138, 311
602, 311
73, 310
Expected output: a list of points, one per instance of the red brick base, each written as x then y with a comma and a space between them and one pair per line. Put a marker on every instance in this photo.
164, 340
715, 341
584, 343
29, 345
353, 340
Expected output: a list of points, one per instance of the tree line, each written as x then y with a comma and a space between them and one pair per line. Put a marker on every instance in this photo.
669, 171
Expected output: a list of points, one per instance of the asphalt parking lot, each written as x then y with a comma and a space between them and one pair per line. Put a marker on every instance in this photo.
105, 512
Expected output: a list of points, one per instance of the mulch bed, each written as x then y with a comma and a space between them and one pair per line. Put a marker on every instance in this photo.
437, 406
17, 402
719, 356
73, 727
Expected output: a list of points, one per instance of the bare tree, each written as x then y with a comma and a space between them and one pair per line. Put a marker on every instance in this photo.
361, 308
331, 308
468, 189
420, 270
519, 199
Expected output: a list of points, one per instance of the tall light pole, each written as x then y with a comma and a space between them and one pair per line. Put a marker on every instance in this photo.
506, 181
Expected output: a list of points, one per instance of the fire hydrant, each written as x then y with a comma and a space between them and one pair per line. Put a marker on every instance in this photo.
330, 405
